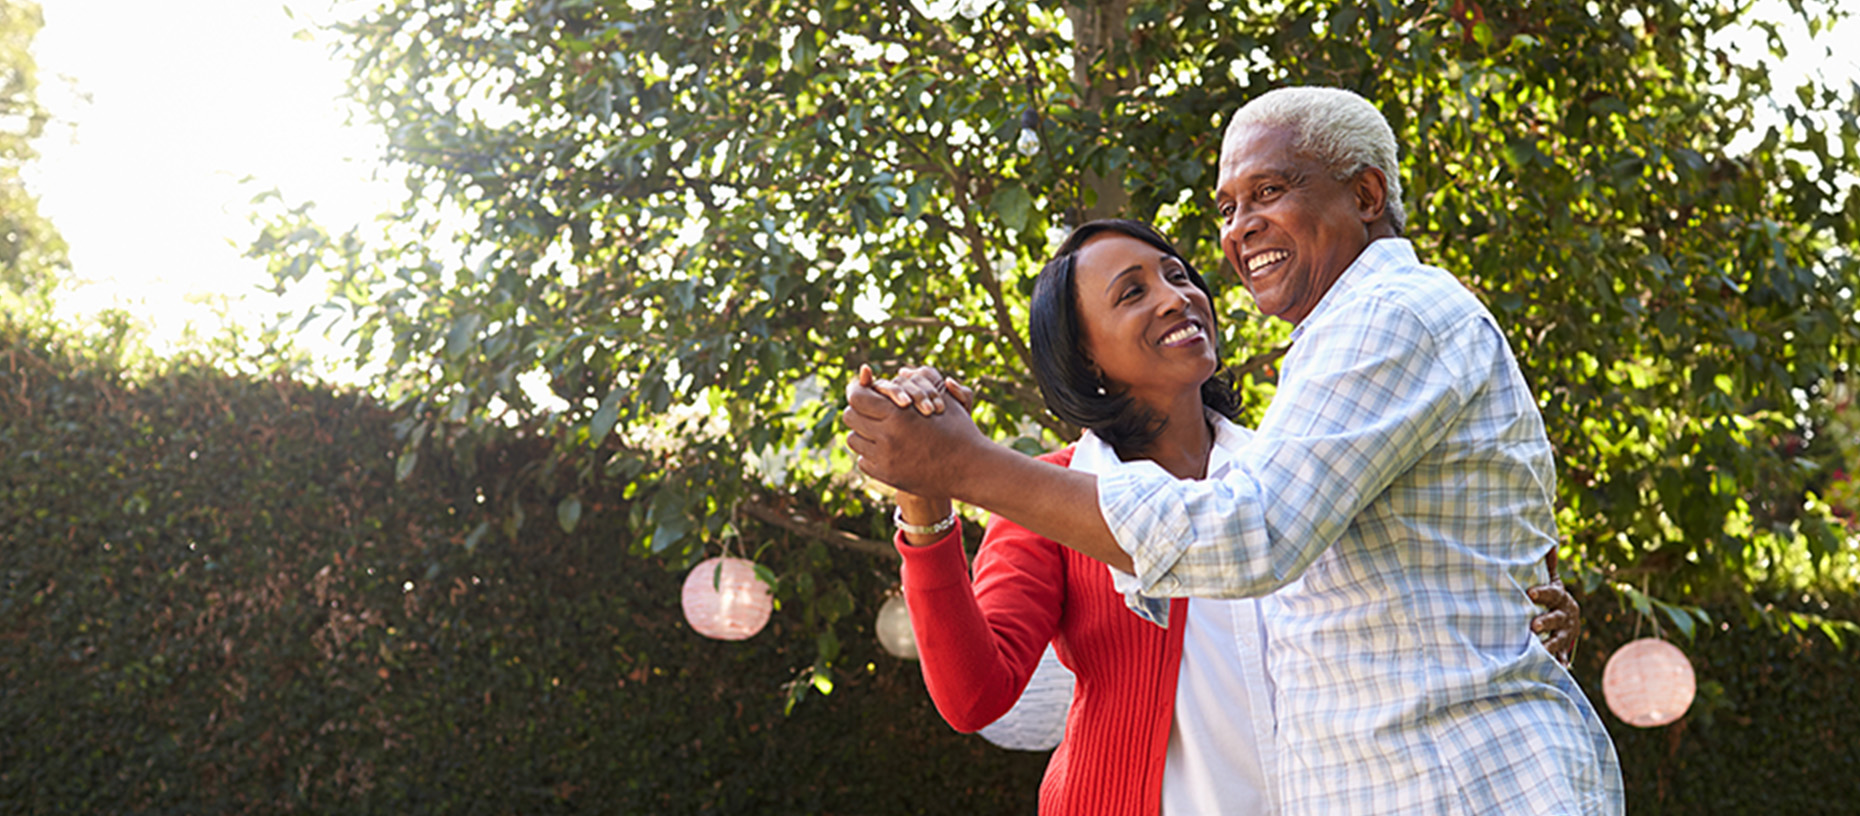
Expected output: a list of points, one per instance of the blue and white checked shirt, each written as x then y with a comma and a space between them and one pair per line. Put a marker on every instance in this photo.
1398, 496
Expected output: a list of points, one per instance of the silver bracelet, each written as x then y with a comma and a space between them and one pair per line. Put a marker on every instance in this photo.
939, 528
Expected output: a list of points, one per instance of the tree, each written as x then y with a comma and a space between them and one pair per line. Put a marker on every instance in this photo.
31, 251
664, 233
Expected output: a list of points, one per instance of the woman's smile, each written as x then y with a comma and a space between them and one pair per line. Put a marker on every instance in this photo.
1188, 332
1145, 326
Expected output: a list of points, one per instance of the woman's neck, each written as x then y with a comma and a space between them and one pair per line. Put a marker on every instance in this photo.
1186, 438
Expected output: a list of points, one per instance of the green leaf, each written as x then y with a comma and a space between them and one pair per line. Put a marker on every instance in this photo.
403, 467
463, 334
476, 536
604, 417
1012, 203
568, 513
1680, 617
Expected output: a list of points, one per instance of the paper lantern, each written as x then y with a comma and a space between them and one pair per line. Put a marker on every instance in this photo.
1037, 722
894, 628
724, 599
1648, 682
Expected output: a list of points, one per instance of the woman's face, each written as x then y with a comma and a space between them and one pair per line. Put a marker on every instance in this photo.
1145, 325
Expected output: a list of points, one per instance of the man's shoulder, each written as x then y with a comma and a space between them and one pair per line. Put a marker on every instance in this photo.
1432, 295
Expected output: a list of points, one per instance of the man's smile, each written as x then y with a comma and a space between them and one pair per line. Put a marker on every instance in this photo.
1264, 259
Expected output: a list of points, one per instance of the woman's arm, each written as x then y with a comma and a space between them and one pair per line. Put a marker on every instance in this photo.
1560, 624
979, 641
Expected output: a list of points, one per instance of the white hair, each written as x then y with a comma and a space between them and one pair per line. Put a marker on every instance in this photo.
1335, 127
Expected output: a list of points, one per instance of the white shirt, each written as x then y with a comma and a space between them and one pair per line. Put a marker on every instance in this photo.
1220, 758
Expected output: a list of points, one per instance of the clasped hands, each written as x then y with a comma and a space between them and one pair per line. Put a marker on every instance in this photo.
911, 431
914, 432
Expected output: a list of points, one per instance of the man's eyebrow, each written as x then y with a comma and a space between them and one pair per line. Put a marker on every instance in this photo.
1279, 173
1120, 276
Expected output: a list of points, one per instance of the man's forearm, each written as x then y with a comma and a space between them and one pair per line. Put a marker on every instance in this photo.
1050, 500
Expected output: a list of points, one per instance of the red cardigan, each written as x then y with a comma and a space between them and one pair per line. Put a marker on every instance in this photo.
980, 641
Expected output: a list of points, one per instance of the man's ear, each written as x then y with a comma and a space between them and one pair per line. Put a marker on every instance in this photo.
1372, 194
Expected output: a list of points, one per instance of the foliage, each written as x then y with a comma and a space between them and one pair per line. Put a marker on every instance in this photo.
1767, 731
215, 597
31, 251
661, 234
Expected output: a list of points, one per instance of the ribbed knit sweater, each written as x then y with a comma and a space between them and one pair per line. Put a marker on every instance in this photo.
979, 641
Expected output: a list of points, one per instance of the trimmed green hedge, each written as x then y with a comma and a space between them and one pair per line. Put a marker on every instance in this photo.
218, 599
1775, 727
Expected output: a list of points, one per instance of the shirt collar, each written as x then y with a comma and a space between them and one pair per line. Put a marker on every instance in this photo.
1095, 456
1382, 253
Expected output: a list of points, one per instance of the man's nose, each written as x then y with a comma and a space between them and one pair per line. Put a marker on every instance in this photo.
1240, 229
1248, 225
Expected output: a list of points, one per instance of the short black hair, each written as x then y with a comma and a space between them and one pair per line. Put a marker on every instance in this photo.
1071, 387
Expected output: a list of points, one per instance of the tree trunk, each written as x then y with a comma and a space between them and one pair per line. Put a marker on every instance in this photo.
1098, 30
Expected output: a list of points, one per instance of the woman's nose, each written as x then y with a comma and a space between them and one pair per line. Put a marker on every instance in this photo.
1174, 299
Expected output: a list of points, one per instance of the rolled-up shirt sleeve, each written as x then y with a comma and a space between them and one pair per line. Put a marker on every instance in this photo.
1364, 393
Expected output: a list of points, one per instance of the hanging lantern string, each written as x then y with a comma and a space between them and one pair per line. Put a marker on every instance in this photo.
1641, 617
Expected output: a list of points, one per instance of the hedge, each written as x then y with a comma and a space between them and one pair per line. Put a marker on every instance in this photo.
218, 598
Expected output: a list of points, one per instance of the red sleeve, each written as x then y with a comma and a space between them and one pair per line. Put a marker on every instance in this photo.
979, 641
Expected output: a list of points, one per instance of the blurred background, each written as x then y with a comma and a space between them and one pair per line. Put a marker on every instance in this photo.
375, 373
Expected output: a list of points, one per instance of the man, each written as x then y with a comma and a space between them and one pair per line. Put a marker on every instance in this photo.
1397, 496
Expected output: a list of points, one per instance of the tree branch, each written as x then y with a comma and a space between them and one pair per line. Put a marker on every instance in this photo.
800, 525
978, 256
924, 323
1258, 363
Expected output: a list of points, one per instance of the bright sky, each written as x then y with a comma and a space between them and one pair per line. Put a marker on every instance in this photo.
162, 108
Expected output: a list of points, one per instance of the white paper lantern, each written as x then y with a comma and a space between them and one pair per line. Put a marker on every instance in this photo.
1648, 682
724, 599
1037, 722
894, 628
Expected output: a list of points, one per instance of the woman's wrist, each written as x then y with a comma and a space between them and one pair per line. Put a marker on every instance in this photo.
923, 513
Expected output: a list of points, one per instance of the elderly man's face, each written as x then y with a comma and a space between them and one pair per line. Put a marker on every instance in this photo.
1288, 228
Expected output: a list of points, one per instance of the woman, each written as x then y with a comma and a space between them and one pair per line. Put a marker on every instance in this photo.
1179, 719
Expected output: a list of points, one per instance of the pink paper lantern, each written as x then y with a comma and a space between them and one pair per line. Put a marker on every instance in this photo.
724, 599
1648, 682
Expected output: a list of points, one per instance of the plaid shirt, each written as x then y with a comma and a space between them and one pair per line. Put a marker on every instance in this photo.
1398, 498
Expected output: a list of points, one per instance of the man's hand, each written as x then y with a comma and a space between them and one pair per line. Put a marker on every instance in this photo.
925, 455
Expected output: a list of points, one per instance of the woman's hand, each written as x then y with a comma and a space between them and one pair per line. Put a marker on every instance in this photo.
1560, 624
924, 388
